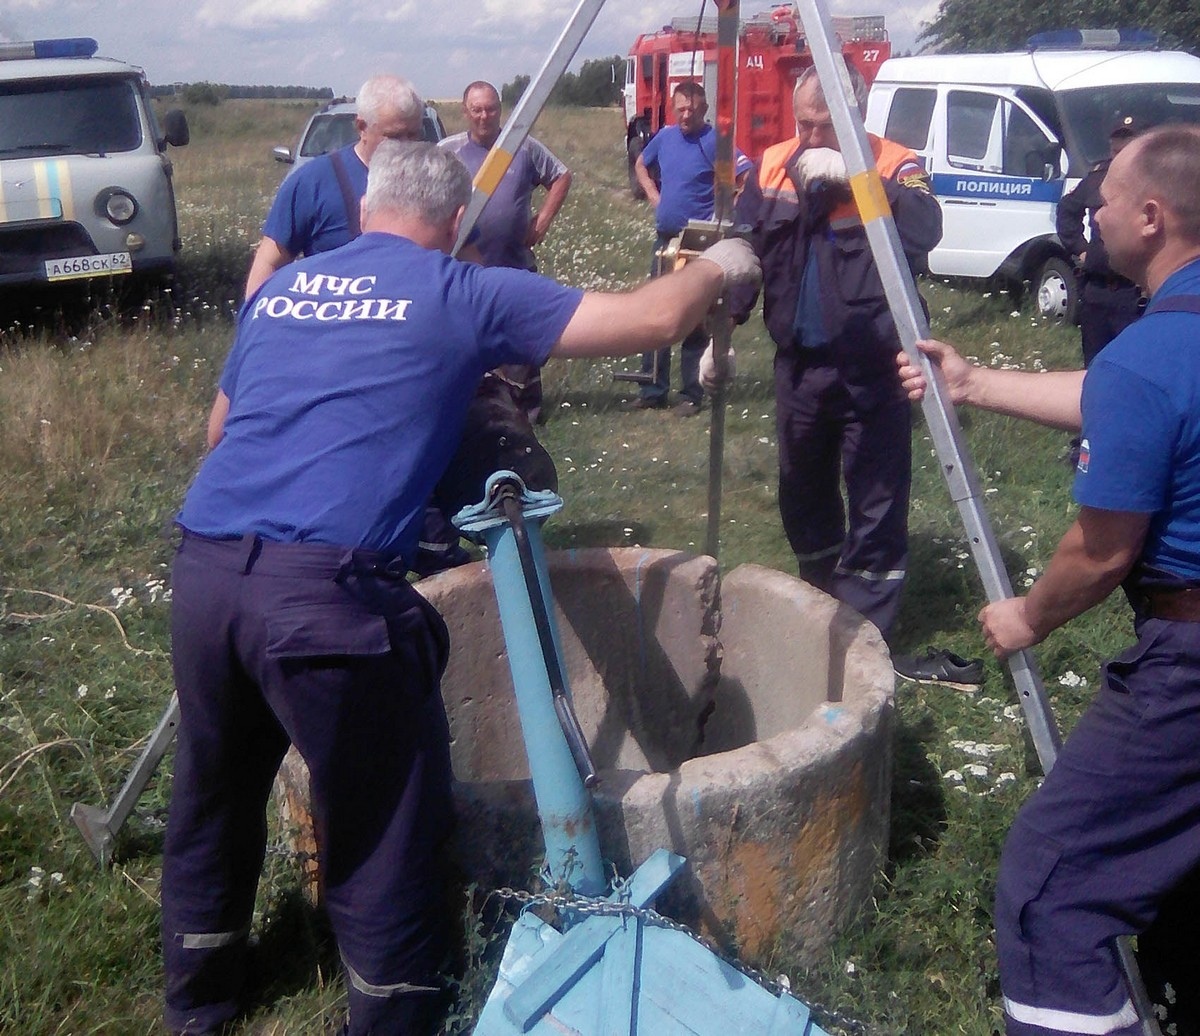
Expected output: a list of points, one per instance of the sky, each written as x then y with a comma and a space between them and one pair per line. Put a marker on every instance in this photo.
441, 45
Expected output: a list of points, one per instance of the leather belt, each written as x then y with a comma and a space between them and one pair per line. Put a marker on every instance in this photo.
1174, 605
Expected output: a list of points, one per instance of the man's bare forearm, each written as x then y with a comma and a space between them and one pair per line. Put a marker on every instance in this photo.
555, 196
1095, 554
1050, 398
658, 313
646, 181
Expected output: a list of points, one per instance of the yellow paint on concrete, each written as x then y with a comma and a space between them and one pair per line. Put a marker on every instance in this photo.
749, 898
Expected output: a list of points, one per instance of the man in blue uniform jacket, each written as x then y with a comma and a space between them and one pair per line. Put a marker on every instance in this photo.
292, 621
1109, 845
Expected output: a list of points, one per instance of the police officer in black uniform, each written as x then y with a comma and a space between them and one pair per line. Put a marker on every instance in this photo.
1108, 302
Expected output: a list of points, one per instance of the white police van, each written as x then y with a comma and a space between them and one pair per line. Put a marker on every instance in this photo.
1005, 135
85, 182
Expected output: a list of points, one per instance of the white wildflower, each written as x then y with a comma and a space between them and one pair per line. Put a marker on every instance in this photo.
976, 749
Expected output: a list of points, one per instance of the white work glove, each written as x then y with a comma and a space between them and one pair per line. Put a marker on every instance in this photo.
736, 259
820, 164
709, 379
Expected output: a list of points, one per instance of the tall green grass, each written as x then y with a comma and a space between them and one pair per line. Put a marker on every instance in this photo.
101, 429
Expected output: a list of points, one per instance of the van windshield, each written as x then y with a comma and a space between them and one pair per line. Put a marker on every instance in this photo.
41, 118
1089, 114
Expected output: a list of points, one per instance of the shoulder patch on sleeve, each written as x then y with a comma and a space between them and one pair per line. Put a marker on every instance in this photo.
912, 175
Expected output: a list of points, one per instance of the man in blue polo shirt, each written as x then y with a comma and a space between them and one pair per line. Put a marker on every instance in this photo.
684, 155
1109, 845
316, 208
292, 621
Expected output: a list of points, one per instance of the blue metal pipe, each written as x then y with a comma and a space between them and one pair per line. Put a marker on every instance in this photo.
568, 822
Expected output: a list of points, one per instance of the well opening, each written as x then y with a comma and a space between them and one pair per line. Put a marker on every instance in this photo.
743, 723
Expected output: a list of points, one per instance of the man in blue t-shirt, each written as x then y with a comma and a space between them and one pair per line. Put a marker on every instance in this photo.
316, 207
684, 155
292, 621
1109, 845
508, 232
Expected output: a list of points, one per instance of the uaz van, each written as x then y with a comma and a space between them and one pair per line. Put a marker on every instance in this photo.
1005, 135
85, 182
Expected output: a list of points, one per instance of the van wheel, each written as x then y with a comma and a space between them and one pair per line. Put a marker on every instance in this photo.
1057, 291
632, 150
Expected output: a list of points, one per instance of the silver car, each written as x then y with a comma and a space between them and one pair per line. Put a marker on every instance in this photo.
333, 127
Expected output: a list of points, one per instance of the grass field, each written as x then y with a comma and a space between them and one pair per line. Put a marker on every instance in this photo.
101, 428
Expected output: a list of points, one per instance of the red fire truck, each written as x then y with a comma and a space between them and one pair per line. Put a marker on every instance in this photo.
772, 52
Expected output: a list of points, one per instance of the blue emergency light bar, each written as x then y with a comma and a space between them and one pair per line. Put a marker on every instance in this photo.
1093, 39
74, 47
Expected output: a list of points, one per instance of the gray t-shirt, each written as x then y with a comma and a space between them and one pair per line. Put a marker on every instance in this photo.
504, 223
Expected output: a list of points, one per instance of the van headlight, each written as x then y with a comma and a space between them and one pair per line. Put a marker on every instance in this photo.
116, 205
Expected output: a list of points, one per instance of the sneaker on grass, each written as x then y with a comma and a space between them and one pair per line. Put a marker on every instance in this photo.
940, 667
644, 403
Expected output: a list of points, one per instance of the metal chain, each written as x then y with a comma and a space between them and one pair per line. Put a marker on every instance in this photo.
573, 903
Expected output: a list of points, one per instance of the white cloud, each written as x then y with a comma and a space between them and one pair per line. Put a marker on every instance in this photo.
259, 14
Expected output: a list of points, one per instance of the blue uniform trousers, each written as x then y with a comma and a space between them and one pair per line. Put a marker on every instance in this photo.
831, 432
327, 649
1104, 845
690, 353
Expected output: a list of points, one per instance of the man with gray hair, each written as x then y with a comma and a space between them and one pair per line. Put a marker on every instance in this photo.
292, 620
840, 414
316, 208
